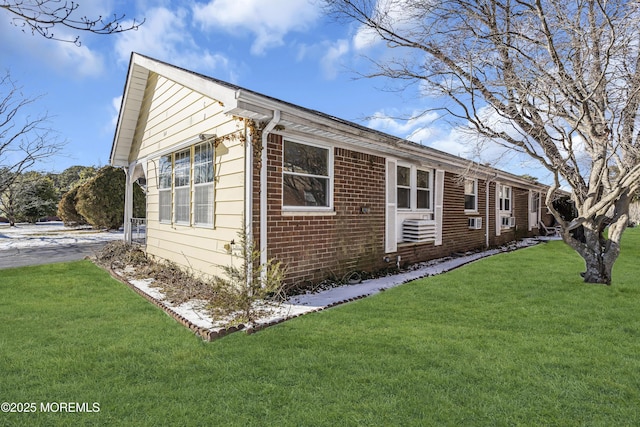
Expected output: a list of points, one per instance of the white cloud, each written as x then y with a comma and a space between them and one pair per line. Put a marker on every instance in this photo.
115, 109
330, 61
390, 13
67, 58
165, 35
400, 126
269, 21
365, 38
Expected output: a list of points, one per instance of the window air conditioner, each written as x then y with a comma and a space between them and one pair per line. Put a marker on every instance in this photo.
475, 223
508, 221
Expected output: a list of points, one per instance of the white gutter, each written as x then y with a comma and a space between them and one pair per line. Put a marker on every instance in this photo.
263, 188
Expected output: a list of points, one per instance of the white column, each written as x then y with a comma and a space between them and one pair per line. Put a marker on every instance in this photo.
128, 202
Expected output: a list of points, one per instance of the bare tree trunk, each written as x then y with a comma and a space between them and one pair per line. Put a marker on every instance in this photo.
600, 252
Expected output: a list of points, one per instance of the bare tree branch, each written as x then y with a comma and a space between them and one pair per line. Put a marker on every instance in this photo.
24, 140
41, 16
557, 80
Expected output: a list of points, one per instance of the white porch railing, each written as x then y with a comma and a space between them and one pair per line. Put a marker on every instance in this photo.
139, 229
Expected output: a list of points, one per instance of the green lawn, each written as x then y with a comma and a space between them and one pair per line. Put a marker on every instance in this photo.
515, 339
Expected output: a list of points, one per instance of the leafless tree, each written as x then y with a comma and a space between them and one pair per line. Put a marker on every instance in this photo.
558, 80
41, 16
24, 140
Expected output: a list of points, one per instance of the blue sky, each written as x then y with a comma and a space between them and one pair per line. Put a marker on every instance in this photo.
287, 49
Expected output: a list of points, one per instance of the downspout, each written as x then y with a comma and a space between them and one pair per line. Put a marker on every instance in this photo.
487, 212
263, 188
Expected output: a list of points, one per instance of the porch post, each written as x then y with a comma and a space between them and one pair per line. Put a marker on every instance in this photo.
128, 202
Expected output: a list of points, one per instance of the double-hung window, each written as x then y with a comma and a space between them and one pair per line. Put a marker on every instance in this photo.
164, 188
423, 189
505, 194
505, 198
306, 176
470, 195
203, 184
182, 187
413, 188
185, 186
404, 187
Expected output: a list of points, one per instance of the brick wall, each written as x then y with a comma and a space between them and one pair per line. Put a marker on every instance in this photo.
316, 247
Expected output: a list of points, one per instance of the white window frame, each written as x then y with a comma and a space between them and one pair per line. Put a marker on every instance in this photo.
427, 189
404, 187
534, 202
473, 210
182, 187
330, 177
413, 189
506, 195
202, 186
503, 197
165, 192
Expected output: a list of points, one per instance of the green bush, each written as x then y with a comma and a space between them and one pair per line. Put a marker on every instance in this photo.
67, 209
101, 199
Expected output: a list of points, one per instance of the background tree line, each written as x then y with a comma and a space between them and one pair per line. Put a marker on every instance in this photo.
79, 195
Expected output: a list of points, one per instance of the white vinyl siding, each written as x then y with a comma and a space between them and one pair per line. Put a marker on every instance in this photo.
173, 116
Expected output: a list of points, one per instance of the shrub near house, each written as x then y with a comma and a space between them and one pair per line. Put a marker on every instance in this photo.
100, 201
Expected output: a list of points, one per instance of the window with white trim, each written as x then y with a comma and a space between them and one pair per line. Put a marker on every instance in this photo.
203, 184
164, 188
306, 176
423, 189
505, 198
181, 175
413, 188
404, 187
535, 202
182, 187
470, 195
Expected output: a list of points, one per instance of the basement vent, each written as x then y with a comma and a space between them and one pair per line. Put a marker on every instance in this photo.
418, 230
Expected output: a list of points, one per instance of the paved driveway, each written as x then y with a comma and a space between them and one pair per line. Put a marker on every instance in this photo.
20, 257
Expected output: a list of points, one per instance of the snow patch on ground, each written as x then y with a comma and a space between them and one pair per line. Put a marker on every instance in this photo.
195, 311
51, 234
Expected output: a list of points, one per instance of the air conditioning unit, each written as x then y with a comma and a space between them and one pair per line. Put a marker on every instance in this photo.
475, 223
418, 230
508, 221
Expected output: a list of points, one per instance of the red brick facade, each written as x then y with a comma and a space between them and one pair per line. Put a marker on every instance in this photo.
352, 237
